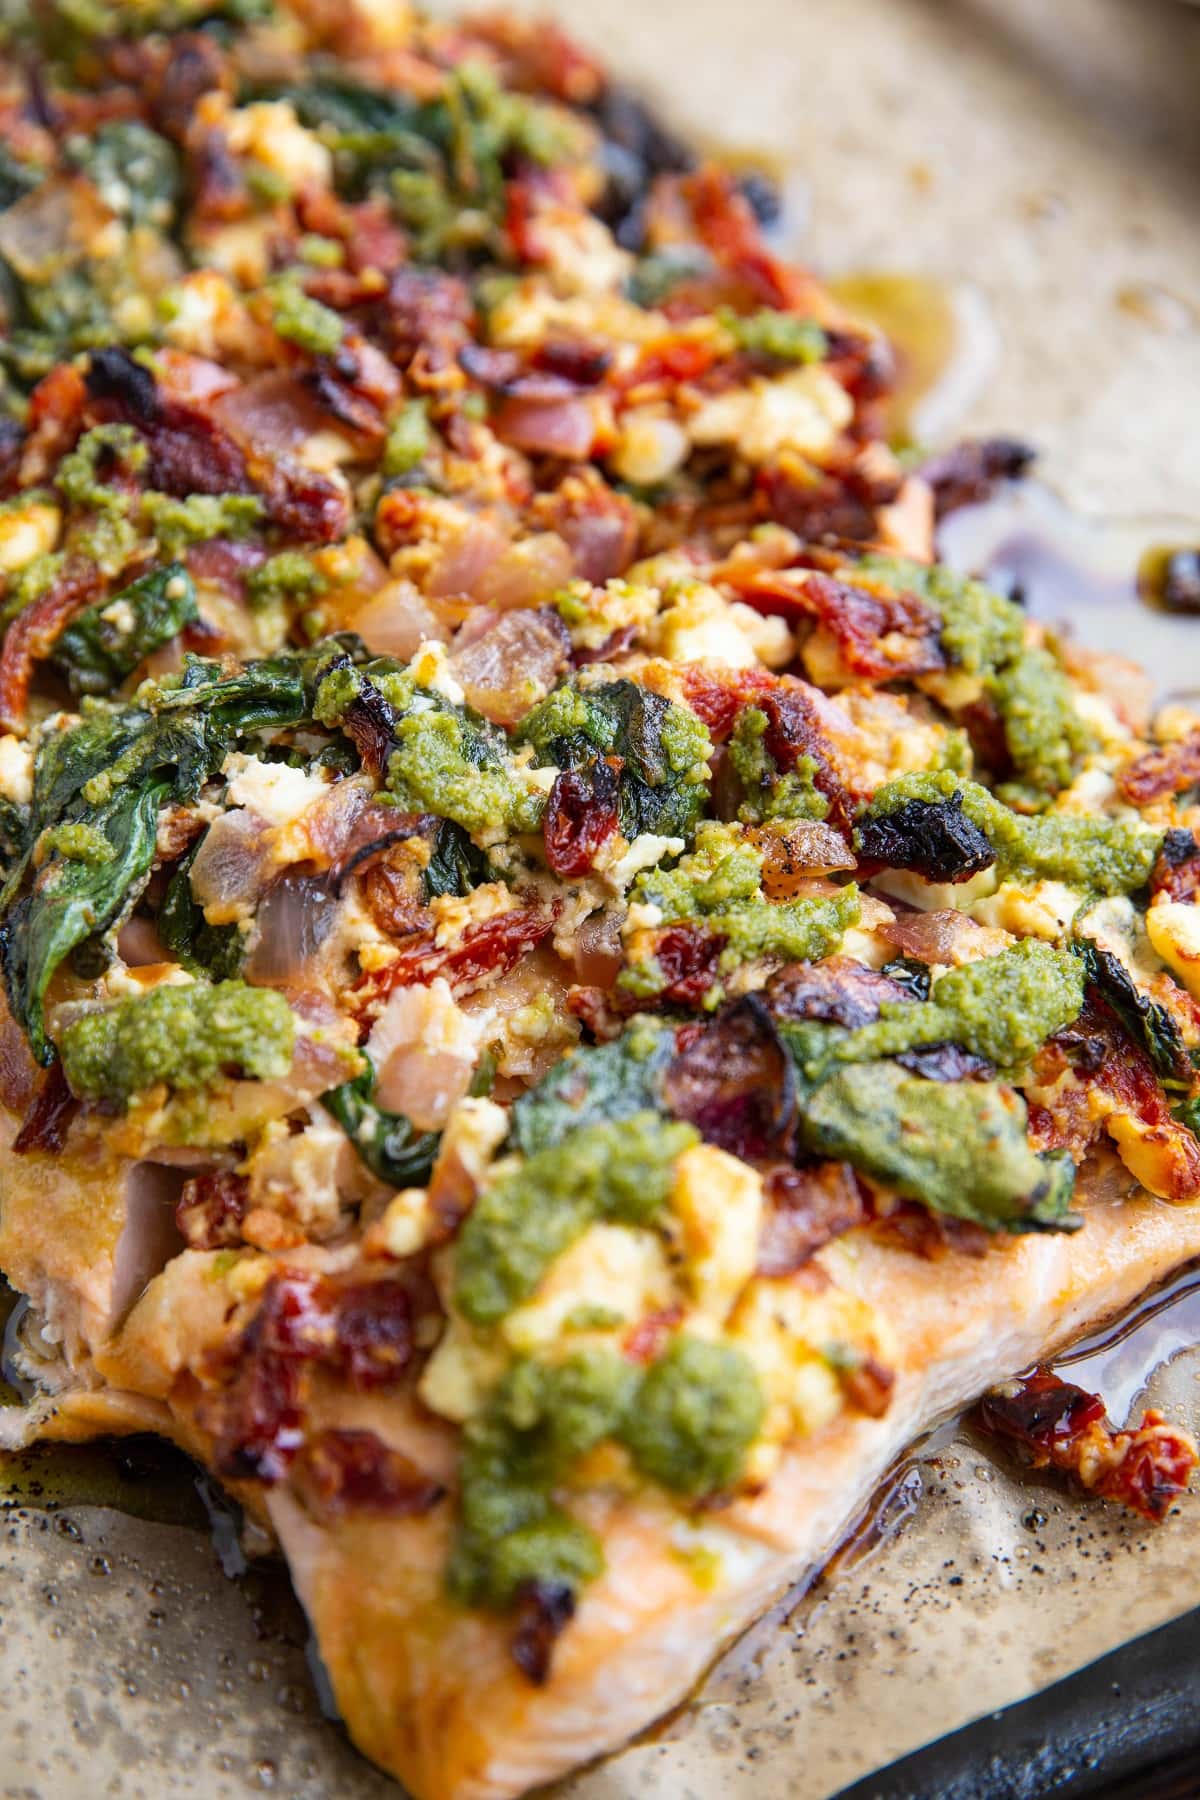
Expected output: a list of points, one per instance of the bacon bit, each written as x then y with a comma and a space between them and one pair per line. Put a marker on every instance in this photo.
1167, 770
718, 696
969, 473
806, 1208
880, 636
868, 1386
644, 1342
424, 309
581, 817
793, 732
33, 633
1057, 1425
188, 452
791, 858
1176, 871
49, 1117
736, 1084
835, 504
838, 991
211, 1208
341, 1472
304, 504
55, 421
931, 1235
725, 224
484, 951
544, 1610
941, 936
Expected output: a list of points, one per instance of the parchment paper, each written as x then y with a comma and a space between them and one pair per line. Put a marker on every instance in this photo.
1050, 155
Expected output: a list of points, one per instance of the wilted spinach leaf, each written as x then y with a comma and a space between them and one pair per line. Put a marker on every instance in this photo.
106, 642
386, 1141
594, 1084
1148, 1023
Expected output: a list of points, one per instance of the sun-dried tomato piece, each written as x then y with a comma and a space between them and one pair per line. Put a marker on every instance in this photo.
259, 1420
1170, 769
1176, 871
373, 1335
837, 991
806, 1208
969, 473
210, 1210
736, 1084
717, 696
544, 1610
49, 1117
687, 958
645, 1341
933, 838
361, 1331
484, 951
34, 632
581, 817
1057, 1425
353, 1471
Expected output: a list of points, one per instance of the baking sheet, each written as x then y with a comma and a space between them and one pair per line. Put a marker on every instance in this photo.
1050, 156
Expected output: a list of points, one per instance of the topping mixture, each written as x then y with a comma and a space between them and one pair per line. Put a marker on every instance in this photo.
500, 808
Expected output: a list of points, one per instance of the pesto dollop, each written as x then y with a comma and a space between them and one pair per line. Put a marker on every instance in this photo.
959, 1147
619, 1173
185, 1037
1002, 1008
687, 1422
768, 793
720, 884
984, 634
1106, 856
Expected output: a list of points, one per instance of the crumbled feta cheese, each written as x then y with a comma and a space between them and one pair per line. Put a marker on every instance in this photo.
1173, 927
274, 792
16, 769
27, 532
802, 411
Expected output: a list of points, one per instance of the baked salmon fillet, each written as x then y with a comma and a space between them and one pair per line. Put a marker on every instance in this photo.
568, 990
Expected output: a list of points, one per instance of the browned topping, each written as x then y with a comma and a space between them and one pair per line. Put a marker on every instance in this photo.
48, 1119
544, 1610
1168, 770
806, 1207
734, 1082
1176, 872
211, 1208
1056, 1425
342, 1472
